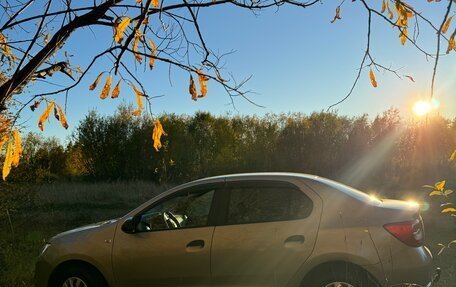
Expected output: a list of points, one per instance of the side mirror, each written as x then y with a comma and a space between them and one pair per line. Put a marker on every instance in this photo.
129, 226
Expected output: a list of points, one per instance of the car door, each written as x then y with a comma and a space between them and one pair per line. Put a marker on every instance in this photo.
171, 245
268, 232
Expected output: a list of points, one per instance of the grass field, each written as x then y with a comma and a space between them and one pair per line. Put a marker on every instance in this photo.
49, 209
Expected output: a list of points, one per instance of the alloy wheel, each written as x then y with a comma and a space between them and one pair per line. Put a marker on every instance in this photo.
74, 282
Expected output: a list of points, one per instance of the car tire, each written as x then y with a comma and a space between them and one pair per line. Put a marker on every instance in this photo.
341, 276
79, 276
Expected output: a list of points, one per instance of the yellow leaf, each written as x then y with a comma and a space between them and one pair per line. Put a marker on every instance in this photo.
138, 1
451, 44
453, 155
440, 185
202, 79
135, 47
337, 16
155, 3
403, 36
8, 160
383, 6
17, 148
435, 192
2, 141
372, 78
447, 25
45, 115
391, 14
157, 133
106, 89
116, 91
63, 120
153, 54
450, 209
192, 88
94, 85
139, 95
78, 68
119, 27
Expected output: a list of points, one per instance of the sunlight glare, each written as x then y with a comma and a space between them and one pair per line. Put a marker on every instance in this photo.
421, 108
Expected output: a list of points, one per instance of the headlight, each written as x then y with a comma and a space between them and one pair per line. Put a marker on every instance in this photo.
44, 248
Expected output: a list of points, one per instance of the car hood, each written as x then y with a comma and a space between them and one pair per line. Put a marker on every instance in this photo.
85, 229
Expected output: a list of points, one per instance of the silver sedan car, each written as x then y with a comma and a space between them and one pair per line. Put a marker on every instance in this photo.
258, 229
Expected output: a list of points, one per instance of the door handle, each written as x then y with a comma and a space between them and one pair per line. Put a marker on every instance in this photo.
195, 245
294, 240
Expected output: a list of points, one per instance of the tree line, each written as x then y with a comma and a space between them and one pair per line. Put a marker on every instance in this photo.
384, 152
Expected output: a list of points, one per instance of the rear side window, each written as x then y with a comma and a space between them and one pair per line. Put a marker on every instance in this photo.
256, 204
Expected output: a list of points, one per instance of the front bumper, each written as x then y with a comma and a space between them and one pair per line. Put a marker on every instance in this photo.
42, 273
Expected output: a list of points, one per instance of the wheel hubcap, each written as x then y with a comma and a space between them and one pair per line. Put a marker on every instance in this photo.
74, 282
338, 284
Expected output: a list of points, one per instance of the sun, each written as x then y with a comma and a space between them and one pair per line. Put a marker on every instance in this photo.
421, 108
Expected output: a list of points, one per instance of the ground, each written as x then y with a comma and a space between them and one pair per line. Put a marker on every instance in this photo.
46, 210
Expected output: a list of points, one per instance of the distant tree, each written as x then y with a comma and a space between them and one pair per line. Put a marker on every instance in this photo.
33, 36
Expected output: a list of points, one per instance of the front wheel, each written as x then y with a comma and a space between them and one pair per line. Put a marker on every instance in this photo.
79, 277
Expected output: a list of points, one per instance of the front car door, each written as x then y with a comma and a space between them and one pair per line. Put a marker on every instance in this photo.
172, 244
269, 231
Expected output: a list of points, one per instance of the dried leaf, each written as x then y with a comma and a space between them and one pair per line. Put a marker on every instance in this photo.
410, 77
192, 88
157, 133
451, 44
202, 79
391, 14
106, 89
45, 115
17, 152
8, 160
116, 91
46, 38
383, 6
153, 49
139, 96
337, 16
138, 57
403, 36
56, 113
35, 105
155, 3
94, 85
119, 27
372, 78
79, 69
447, 24
63, 120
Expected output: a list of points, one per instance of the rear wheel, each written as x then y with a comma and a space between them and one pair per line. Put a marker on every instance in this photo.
78, 276
340, 275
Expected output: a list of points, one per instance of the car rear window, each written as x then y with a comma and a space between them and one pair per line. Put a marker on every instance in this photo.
265, 204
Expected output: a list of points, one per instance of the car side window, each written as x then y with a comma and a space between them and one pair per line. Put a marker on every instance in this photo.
266, 204
184, 210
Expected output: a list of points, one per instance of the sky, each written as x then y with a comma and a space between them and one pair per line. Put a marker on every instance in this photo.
298, 59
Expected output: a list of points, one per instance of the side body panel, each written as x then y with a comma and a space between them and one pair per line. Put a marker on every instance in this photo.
258, 254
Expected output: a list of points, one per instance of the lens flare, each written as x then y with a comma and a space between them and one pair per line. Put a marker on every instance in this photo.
421, 108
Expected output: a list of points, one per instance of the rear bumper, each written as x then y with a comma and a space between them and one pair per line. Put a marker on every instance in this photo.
414, 268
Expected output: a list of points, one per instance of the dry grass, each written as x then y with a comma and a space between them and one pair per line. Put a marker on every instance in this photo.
49, 209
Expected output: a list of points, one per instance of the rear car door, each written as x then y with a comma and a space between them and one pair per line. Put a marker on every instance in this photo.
172, 245
267, 232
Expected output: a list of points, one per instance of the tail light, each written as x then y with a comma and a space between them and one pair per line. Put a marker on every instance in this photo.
409, 232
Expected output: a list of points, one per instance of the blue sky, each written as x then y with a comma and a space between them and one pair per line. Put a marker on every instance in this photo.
300, 62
